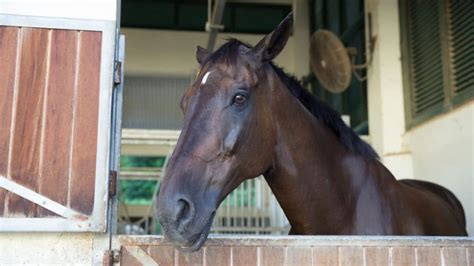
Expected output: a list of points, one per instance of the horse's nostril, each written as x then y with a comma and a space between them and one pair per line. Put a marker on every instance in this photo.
184, 211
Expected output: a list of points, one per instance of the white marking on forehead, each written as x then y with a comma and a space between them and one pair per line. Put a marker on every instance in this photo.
204, 79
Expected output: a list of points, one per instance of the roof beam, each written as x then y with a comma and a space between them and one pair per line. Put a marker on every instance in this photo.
266, 2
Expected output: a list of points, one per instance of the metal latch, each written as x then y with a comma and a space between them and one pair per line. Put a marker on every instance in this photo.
112, 183
110, 257
118, 72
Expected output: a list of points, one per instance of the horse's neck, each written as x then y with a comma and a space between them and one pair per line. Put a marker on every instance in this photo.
313, 174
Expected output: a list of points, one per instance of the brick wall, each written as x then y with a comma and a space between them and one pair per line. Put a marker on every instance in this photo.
302, 250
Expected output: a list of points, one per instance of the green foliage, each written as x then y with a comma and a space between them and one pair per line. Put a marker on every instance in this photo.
139, 161
138, 191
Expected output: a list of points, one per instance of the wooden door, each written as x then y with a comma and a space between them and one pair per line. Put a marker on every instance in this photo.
56, 88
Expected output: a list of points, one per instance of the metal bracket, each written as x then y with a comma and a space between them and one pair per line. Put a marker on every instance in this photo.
112, 183
110, 257
209, 26
118, 73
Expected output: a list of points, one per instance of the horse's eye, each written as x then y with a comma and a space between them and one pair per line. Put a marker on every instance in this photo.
239, 99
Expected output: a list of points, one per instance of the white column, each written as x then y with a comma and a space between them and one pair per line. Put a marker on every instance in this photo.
301, 35
385, 87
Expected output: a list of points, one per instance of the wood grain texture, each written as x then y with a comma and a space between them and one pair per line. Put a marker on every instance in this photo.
244, 256
54, 179
163, 255
351, 256
86, 112
28, 119
453, 256
8, 54
375, 256
217, 256
299, 256
128, 259
193, 258
428, 256
403, 256
272, 256
325, 256
470, 256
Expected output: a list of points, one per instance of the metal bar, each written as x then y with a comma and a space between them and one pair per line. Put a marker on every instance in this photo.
49, 225
216, 19
39, 199
140, 174
150, 134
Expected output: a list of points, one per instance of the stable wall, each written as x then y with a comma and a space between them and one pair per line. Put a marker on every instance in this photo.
77, 9
443, 152
441, 149
52, 248
164, 52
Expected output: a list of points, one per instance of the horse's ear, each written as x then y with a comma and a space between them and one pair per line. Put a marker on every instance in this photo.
201, 54
272, 44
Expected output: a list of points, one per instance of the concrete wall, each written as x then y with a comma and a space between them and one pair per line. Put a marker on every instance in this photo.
439, 150
443, 152
162, 52
52, 248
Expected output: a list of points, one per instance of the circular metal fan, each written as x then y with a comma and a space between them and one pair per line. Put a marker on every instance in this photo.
330, 61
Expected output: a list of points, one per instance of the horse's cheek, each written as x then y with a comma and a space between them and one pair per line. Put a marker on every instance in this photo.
231, 140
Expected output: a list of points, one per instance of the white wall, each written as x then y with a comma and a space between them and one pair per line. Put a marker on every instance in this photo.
443, 152
53, 248
163, 52
441, 149
78, 9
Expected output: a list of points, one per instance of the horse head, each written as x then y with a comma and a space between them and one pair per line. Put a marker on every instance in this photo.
227, 137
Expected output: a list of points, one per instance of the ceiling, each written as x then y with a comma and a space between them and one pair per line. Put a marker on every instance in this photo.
243, 16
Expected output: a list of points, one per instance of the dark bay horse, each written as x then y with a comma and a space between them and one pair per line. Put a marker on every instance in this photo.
244, 117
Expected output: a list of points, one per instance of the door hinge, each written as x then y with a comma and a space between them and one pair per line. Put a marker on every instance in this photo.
112, 183
111, 257
118, 73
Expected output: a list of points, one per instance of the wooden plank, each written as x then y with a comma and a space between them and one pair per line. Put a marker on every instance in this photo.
244, 256
26, 139
351, 256
325, 256
8, 54
163, 255
215, 255
403, 256
58, 118
86, 115
429, 256
271, 256
299, 256
470, 256
453, 256
189, 258
128, 259
375, 256
39, 199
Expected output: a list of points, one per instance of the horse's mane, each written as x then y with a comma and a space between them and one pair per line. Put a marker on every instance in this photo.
322, 111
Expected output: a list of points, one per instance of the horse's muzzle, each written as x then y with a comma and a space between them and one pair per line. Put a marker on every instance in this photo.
186, 227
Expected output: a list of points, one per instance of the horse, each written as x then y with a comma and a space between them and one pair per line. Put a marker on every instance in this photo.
245, 117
